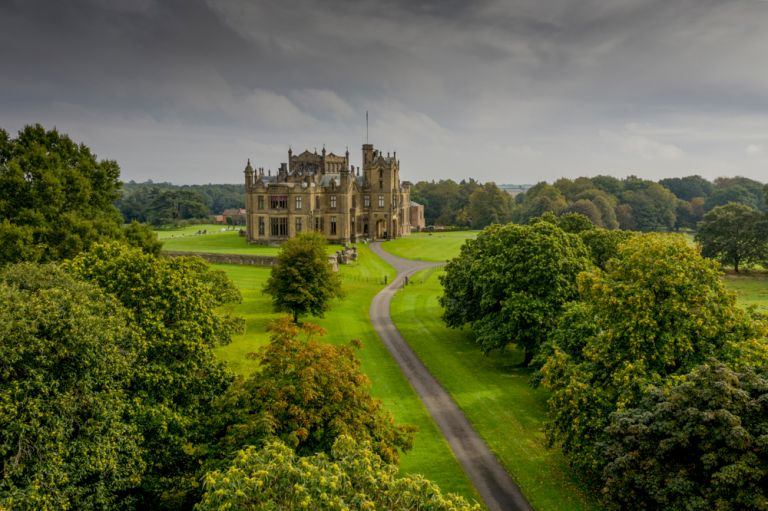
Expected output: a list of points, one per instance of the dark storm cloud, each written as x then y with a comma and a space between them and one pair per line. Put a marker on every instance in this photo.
492, 89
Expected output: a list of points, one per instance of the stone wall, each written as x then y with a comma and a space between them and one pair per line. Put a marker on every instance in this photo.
254, 260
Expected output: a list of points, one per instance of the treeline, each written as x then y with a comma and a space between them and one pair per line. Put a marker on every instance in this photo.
658, 380
631, 203
167, 204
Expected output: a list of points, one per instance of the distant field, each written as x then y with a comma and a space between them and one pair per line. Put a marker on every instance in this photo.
216, 241
750, 288
494, 395
348, 319
189, 230
423, 246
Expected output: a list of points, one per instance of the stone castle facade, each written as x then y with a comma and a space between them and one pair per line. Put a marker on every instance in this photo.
324, 193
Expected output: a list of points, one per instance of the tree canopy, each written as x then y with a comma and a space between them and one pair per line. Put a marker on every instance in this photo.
351, 476
307, 394
67, 353
56, 197
174, 305
699, 444
302, 281
511, 282
734, 234
658, 310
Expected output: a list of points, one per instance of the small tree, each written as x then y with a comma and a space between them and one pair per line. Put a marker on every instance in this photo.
307, 394
302, 282
732, 234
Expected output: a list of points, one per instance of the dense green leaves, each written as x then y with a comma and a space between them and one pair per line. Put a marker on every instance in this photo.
658, 310
173, 302
701, 444
55, 197
734, 234
351, 476
67, 353
511, 282
302, 281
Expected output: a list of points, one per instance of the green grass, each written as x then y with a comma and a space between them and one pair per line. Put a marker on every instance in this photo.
425, 246
348, 319
217, 242
190, 230
751, 288
493, 393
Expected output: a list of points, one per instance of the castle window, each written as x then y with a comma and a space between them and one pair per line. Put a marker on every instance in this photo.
319, 227
333, 225
317, 202
298, 202
278, 227
260, 199
381, 184
298, 225
278, 201
381, 201
367, 201
333, 202
354, 201
261, 225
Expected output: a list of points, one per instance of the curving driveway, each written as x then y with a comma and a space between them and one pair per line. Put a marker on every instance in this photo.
492, 482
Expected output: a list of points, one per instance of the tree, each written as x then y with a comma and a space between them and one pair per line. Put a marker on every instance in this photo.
658, 310
488, 205
689, 187
699, 444
307, 394
733, 234
302, 282
174, 304
56, 197
603, 244
67, 354
511, 282
351, 476
652, 205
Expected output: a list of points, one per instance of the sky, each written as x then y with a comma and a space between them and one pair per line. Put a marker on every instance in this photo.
510, 91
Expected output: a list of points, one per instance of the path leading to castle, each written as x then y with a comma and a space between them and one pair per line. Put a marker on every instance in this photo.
492, 482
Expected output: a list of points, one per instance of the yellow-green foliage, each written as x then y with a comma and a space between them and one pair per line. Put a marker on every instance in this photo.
658, 310
352, 477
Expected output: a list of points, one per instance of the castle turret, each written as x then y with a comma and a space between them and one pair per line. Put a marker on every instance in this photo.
248, 175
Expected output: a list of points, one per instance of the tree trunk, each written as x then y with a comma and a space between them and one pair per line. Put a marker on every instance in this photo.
527, 358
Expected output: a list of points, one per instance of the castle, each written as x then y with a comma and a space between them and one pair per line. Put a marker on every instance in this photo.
322, 192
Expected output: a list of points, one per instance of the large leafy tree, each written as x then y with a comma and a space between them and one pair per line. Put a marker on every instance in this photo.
351, 476
658, 310
511, 282
174, 304
67, 354
56, 198
699, 444
733, 234
302, 281
307, 393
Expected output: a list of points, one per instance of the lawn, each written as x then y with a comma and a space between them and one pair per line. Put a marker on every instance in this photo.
348, 319
751, 288
189, 230
428, 246
216, 241
493, 393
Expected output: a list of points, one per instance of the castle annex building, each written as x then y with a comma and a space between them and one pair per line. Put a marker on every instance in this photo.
322, 192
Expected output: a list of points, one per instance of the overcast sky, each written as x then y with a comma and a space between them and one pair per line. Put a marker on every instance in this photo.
515, 91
